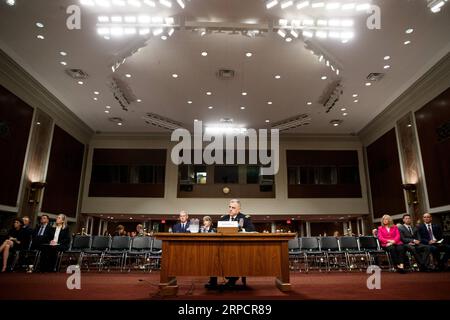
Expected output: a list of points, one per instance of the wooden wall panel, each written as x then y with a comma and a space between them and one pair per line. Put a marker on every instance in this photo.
433, 126
15, 123
63, 175
385, 176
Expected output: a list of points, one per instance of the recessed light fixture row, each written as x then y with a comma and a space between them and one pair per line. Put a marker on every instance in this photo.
332, 6
133, 3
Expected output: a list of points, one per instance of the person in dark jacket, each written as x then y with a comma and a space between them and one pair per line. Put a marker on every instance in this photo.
60, 241
14, 241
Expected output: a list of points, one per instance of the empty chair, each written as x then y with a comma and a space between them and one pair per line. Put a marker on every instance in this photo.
312, 255
116, 254
139, 251
335, 258
98, 247
355, 257
155, 253
79, 244
370, 245
294, 253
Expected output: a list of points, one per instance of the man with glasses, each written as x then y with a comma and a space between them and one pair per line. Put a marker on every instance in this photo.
431, 234
245, 224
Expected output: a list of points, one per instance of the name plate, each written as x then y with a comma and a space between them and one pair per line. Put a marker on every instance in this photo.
227, 224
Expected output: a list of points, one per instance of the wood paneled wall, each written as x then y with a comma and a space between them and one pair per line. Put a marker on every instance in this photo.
64, 174
433, 126
15, 123
385, 176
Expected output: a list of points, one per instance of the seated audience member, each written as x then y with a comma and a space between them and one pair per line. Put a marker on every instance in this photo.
133, 234
140, 230
183, 225
28, 232
390, 241
336, 234
13, 242
431, 234
42, 234
410, 239
375, 232
207, 225
60, 242
120, 231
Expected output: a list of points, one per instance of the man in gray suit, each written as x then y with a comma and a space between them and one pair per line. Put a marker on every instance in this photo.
411, 241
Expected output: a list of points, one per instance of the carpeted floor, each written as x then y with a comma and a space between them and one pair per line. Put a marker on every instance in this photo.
140, 286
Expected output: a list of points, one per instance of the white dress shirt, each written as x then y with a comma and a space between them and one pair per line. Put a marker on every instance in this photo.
58, 230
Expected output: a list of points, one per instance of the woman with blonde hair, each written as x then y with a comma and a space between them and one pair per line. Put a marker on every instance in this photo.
207, 224
389, 237
60, 242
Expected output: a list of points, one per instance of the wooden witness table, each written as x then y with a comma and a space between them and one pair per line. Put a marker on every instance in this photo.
224, 255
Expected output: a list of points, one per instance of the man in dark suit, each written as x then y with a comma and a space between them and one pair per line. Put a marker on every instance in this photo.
411, 241
183, 225
431, 234
28, 232
245, 224
42, 233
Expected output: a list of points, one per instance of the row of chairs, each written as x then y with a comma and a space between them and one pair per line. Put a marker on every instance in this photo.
107, 252
331, 253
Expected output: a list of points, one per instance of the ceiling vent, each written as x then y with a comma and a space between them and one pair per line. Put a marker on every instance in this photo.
226, 120
161, 122
375, 76
294, 122
225, 74
77, 74
115, 119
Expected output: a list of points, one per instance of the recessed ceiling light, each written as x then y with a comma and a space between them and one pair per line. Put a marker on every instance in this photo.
119, 123
277, 76
63, 53
387, 66
309, 103
10, 2
80, 82
242, 108
355, 101
189, 101
174, 75
96, 92
244, 93
387, 57
106, 37
208, 93
288, 39
345, 114
63, 63
249, 54
138, 100
108, 107
368, 84
344, 41
106, 111
39, 36
267, 121
406, 42
410, 30
355, 95
409, 125
163, 37
95, 98
210, 107
195, 120
335, 124
128, 75
269, 102
324, 78
39, 24
343, 109
204, 53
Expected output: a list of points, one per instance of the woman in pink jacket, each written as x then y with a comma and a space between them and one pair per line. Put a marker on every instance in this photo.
389, 238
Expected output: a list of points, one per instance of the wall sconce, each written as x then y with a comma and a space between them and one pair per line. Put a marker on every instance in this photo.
411, 191
35, 192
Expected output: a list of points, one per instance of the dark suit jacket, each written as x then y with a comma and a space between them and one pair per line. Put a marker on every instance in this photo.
425, 236
407, 236
28, 234
177, 228
248, 225
63, 238
44, 239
